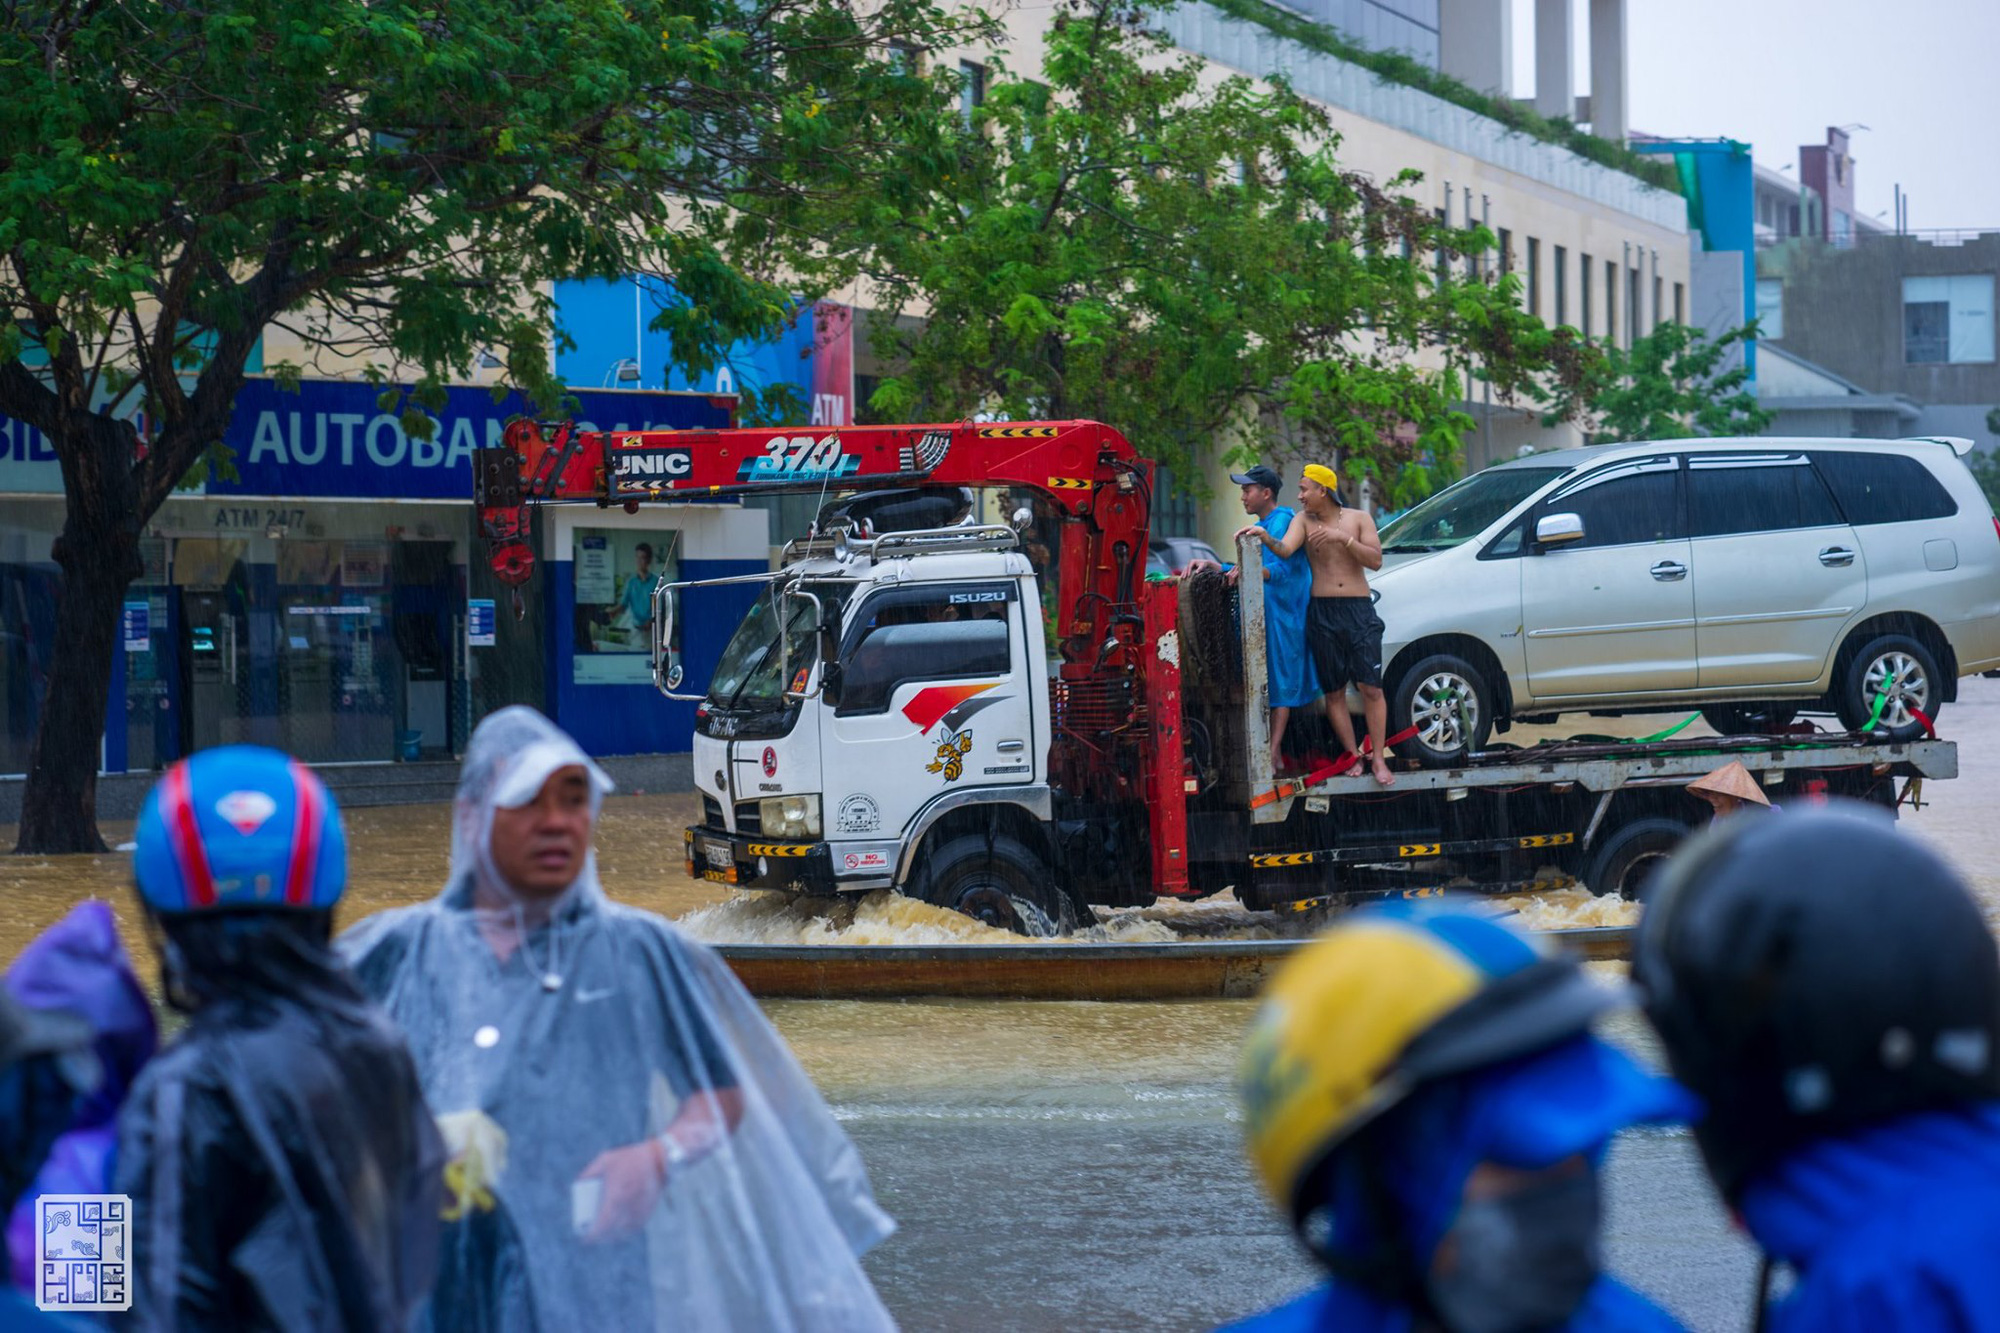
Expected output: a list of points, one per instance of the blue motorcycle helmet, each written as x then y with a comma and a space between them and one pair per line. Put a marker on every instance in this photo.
240, 827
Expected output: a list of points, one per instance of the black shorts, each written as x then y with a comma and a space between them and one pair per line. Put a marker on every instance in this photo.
1344, 636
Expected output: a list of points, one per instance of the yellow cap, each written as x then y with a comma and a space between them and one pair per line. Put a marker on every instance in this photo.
1322, 474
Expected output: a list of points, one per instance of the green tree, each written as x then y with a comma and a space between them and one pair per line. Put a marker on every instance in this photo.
1985, 465
1127, 239
398, 181
1668, 385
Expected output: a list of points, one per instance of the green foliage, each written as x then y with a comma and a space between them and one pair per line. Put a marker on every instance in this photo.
1985, 466
1668, 385
401, 182
1395, 67
1129, 240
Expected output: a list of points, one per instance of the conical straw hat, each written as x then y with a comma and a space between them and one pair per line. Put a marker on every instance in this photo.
1732, 779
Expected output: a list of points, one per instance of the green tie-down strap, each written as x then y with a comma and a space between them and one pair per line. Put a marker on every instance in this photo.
1681, 725
1881, 702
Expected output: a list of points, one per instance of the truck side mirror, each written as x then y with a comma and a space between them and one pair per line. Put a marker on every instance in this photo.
1558, 529
829, 664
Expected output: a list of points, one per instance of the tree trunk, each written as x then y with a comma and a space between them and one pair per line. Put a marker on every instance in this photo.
98, 553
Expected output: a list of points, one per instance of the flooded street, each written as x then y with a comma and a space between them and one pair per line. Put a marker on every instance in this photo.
1072, 1164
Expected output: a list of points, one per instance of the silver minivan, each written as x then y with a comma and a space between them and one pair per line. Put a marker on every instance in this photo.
1753, 579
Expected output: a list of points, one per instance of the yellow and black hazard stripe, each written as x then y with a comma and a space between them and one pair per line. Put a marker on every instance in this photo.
1273, 860
1405, 851
779, 849
1016, 432
1069, 483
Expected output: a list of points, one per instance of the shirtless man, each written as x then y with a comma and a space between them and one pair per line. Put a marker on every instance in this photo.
1343, 633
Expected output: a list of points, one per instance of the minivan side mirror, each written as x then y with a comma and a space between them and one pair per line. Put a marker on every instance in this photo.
1558, 529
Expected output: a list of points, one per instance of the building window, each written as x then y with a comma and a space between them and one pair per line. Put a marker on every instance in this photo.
1770, 308
1632, 304
1506, 252
1562, 286
1680, 304
1948, 319
1583, 294
1657, 302
971, 89
1443, 254
1611, 300
1535, 277
905, 59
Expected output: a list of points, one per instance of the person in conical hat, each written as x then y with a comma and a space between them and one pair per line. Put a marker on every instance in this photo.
1729, 789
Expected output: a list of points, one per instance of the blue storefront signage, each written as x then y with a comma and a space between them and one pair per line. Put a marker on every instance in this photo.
332, 440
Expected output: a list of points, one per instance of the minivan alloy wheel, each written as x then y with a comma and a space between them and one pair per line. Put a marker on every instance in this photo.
1909, 686
1445, 710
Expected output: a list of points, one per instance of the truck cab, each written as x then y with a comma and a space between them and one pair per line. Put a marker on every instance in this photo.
918, 657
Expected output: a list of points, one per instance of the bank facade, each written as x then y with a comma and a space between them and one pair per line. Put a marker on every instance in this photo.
332, 599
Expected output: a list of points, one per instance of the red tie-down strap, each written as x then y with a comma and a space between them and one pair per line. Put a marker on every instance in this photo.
1930, 729
1294, 786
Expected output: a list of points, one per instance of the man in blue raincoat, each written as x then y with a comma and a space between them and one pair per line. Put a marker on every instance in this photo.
1287, 590
1424, 1100
1831, 991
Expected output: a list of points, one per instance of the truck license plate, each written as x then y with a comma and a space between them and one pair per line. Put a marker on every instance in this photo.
718, 856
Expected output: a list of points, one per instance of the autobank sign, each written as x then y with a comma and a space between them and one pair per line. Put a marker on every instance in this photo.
331, 438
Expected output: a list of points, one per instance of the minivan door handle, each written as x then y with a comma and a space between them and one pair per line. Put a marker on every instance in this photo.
1835, 556
1670, 571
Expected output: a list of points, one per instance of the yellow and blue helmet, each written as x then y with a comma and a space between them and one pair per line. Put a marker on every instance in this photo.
1391, 998
240, 826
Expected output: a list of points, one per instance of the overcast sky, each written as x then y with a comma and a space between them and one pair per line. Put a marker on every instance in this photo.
1924, 75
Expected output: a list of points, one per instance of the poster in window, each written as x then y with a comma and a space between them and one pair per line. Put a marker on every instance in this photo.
363, 564
616, 572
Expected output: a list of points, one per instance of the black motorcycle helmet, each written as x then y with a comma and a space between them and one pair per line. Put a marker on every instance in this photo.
1814, 971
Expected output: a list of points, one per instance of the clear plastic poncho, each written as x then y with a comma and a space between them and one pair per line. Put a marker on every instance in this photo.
604, 1028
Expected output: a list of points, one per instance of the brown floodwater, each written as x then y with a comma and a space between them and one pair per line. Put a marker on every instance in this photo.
399, 855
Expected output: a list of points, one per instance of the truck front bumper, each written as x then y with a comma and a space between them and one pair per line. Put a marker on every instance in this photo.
757, 863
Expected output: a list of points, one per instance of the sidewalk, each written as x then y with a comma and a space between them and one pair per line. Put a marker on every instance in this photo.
355, 786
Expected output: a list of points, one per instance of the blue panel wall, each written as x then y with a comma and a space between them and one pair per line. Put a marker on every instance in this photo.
638, 719
1721, 206
607, 321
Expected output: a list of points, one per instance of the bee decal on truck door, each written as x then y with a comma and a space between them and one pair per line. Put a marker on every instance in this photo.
951, 754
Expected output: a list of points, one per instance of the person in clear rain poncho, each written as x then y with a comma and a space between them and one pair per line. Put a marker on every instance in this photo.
632, 1143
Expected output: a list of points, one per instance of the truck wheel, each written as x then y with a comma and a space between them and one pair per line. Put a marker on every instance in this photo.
997, 881
1748, 719
1448, 701
1884, 658
1628, 856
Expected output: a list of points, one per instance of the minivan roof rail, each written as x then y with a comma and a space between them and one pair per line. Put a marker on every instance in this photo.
1958, 444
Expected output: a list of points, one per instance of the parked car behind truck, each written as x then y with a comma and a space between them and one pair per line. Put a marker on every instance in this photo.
1753, 579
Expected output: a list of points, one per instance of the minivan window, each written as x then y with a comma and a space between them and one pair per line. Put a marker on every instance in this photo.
1768, 494
1460, 513
1883, 488
1638, 502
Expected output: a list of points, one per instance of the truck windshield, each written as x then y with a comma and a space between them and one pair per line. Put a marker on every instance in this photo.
1460, 513
747, 677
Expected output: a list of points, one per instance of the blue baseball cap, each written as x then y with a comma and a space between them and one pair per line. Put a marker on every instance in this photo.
240, 827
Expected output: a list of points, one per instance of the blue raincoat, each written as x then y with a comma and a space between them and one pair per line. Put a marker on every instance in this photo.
1286, 593
1896, 1226
1528, 1113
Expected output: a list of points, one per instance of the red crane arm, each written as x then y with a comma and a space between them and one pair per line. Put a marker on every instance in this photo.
539, 463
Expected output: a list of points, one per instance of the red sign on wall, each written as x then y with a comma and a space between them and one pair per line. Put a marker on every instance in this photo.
833, 365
